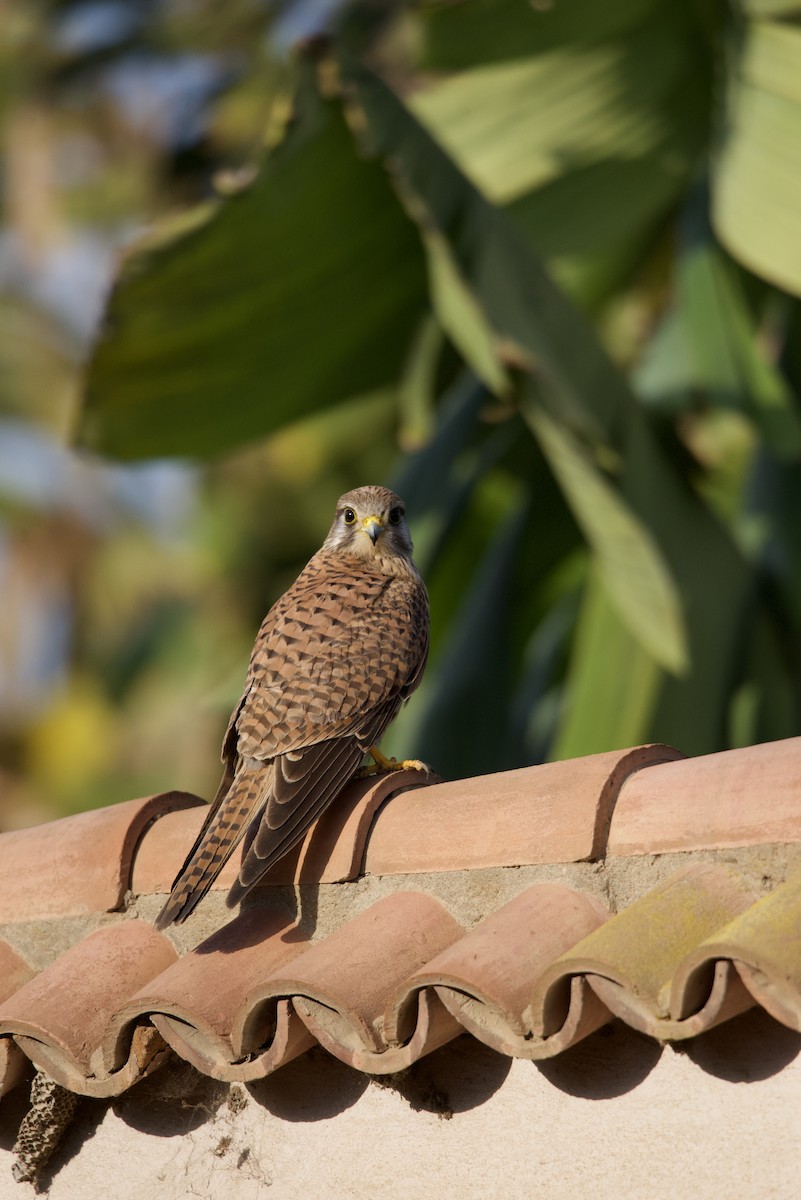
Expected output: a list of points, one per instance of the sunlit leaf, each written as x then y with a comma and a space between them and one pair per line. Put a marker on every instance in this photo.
757, 183
539, 326
612, 683
766, 705
629, 563
460, 316
460, 35
424, 473
712, 347
515, 125
725, 351
585, 121
772, 8
536, 705
417, 388
717, 589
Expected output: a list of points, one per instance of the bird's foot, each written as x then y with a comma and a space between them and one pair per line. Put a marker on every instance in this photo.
381, 765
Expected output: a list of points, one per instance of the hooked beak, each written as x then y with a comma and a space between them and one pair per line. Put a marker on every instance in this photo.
373, 527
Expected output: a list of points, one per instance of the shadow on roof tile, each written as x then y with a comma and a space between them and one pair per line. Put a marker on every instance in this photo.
332, 851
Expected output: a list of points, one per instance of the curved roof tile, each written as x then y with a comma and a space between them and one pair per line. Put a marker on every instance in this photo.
64, 1017
403, 976
739, 797
89, 855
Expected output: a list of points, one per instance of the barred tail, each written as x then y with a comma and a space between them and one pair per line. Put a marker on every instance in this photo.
224, 828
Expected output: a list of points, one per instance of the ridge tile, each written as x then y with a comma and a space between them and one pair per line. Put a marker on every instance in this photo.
744, 797
77, 865
556, 812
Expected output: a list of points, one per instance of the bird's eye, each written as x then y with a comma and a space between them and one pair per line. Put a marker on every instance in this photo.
395, 515
349, 516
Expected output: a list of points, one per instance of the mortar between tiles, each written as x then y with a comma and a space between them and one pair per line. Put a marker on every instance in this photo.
468, 895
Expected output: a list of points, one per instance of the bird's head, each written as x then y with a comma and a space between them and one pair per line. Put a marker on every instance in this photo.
370, 522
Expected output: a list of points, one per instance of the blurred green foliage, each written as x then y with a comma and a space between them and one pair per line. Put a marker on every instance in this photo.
535, 265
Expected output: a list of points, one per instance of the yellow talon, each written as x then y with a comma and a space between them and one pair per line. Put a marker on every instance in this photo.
382, 764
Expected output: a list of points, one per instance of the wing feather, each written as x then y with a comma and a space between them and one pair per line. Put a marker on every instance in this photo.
273, 838
223, 829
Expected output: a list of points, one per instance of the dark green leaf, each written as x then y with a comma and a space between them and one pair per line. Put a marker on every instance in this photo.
464, 710
275, 305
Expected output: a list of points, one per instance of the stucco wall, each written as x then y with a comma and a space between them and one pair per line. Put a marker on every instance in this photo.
616, 1117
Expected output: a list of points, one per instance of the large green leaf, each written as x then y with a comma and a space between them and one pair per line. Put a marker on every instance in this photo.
766, 705
757, 182
416, 391
537, 703
431, 481
717, 589
276, 304
464, 706
522, 305
715, 294
585, 120
771, 8
775, 504
629, 564
612, 685
721, 359
516, 125
538, 325
460, 315
459, 36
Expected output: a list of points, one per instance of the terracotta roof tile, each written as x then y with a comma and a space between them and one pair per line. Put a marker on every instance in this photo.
13, 1065
403, 974
764, 944
161, 852
14, 973
557, 812
352, 991
201, 1005
332, 851
636, 962
403, 977
64, 1017
735, 798
486, 979
89, 855
226, 1008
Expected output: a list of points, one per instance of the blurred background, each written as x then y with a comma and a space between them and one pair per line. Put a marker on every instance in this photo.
535, 264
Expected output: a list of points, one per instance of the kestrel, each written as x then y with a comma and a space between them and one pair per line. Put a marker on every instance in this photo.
333, 662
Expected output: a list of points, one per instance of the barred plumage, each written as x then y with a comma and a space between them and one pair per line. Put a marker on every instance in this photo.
334, 659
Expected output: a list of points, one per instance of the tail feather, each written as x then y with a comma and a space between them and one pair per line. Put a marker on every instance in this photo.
222, 831
272, 841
